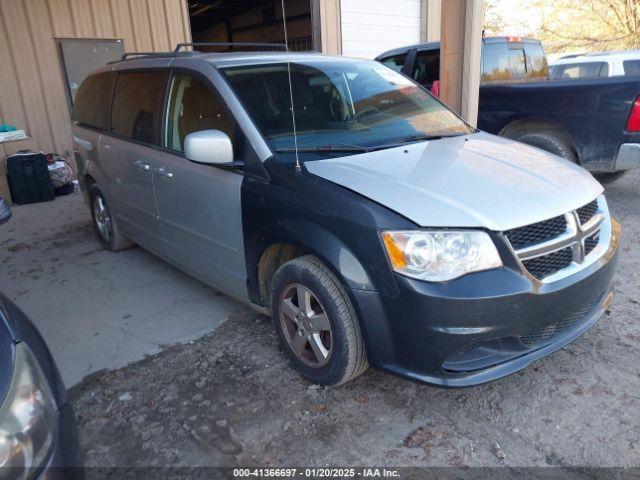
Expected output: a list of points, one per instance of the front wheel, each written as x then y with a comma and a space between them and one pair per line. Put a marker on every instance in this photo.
316, 323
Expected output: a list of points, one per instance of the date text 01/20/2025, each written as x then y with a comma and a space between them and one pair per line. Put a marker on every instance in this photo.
315, 473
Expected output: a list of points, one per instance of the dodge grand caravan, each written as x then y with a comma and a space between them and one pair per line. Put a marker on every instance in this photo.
373, 224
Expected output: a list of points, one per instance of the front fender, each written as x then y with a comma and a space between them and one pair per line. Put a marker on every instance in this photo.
314, 239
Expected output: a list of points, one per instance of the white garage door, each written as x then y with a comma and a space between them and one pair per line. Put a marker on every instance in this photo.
370, 27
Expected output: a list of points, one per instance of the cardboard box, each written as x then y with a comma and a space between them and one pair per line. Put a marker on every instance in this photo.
4, 189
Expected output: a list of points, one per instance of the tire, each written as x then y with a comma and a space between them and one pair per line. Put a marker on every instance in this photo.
551, 142
606, 178
342, 352
105, 223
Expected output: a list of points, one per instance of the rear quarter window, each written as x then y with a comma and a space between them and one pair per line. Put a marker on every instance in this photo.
92, 103
631, 67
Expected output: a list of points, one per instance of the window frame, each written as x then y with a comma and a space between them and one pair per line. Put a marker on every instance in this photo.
238, 163
156, 130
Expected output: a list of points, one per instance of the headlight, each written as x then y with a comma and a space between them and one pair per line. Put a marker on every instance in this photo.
28, 419
437, 256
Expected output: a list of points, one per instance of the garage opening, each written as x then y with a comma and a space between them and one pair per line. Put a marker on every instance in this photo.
254, 21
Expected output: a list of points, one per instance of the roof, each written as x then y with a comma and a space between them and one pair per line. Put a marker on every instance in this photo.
224, 59
436, 45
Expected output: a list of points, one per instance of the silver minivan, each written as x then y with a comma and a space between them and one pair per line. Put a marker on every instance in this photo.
341, 198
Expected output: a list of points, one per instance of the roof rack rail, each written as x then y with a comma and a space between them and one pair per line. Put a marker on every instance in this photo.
134, 55
143, 54
180, 46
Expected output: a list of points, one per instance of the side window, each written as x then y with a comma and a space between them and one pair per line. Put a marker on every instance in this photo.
194, 107
91, 107
631, 67
396, 62
135, 105
584, 70
427, 68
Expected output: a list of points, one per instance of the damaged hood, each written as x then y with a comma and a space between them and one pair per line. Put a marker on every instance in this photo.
477, 180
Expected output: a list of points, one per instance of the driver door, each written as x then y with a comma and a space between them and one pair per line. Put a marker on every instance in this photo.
199, 205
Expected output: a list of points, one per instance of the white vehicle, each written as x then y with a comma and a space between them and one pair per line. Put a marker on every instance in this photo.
593, 65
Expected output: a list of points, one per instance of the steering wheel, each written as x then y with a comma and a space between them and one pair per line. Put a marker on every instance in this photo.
366, 112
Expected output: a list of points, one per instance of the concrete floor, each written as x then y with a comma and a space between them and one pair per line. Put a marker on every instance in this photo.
98, 309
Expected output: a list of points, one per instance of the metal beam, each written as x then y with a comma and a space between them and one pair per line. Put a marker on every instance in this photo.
430, 12
460, 51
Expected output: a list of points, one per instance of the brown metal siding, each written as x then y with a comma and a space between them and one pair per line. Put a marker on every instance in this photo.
32, 90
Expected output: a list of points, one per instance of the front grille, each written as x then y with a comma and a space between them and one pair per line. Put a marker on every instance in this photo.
536, 233
587, 212
591, 242
545, 265
556, 329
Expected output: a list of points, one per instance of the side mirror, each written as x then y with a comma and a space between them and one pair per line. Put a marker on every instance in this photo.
211, 147
5, 211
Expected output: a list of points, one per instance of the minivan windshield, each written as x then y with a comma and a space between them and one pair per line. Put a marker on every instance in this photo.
340, 106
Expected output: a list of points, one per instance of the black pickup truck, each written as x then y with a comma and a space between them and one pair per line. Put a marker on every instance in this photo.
593, 122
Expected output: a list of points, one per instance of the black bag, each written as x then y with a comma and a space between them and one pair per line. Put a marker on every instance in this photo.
29, 180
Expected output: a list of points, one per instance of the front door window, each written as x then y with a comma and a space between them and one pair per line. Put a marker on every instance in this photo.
193, 108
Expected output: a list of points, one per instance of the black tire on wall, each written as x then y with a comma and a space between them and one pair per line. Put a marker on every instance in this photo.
104, 222
341, 336
551, 142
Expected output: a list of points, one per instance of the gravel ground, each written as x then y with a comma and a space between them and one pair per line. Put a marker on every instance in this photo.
230, 399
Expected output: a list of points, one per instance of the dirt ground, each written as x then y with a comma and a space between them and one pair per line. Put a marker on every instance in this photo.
230, 398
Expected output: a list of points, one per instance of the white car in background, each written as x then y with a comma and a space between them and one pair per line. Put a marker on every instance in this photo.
593, 65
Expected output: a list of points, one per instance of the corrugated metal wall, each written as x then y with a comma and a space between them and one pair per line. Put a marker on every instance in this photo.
32, 90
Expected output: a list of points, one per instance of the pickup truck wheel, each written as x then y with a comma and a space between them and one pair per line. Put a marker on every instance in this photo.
316, 323
105, 223
551, 142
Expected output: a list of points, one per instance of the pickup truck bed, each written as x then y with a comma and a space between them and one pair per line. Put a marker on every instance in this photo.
582, 120
592, 114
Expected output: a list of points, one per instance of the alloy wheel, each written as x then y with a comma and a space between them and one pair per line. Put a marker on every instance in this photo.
306, 325
102, 218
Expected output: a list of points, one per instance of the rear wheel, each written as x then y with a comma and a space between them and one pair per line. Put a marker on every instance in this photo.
105, 224
551, 142
316, 324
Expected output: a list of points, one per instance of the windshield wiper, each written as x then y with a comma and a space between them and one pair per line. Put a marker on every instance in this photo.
413, 139
326, 148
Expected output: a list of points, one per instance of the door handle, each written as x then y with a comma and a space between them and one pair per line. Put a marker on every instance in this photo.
142, 166
163, 172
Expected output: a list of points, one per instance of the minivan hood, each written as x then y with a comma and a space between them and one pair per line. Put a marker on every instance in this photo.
477, 180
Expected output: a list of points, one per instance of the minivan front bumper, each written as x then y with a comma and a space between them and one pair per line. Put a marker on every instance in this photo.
483, 326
